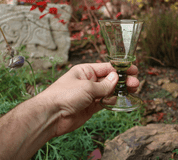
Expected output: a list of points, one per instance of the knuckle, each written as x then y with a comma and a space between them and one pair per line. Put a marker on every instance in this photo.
106, 88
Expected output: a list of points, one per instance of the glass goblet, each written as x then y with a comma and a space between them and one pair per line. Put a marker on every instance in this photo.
121, 37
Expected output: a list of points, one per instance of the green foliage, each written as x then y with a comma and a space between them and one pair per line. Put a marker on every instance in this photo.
160, 94
6, 106
161, 41
175, 151
79, 143
12, 89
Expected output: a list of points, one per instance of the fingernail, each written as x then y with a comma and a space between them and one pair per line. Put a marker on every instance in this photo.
111, 76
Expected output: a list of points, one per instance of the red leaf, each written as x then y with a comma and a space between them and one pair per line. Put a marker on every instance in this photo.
160, 116
43, 3
53, 10
99, 7
98, 29
99, 1
169, 104
62, 21
47, 1
95, 155
152, 73
92, 7
81, 6
41, 6
43, 15
98, 36
85, 38
84, 8
103, 51
118, 14
33, 7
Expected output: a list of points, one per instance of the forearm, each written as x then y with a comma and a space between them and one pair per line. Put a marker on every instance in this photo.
25, 129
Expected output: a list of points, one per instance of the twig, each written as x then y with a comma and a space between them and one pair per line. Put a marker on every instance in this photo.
92, 24
5, 38
154, 59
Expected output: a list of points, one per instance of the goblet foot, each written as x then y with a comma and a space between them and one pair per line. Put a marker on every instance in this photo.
121, 103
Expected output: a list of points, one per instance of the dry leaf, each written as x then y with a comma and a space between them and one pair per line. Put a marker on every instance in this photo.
175, 94
163, 81
170, 87
140, 86
158, 100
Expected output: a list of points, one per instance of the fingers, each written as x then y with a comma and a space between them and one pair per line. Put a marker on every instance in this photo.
93, 70
133, 70
102, 69
131, 82
105, 87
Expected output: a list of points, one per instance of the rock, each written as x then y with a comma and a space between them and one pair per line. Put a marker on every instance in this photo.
143, 143
44, 37
170, 87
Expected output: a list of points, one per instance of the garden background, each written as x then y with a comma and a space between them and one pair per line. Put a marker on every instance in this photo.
157, 57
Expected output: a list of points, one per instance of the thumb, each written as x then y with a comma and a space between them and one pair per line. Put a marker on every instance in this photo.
106, 86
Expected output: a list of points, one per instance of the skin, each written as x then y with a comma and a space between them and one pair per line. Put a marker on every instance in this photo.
63, 107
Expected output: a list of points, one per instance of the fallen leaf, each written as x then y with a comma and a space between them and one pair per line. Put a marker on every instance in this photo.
169, 103
140, 86
160, 116
95, 155
163, 81
153, 71
158, 109
170, 87
175, 94
158, 100
174, 119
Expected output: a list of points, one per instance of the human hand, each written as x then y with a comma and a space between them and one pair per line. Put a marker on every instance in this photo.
75, 96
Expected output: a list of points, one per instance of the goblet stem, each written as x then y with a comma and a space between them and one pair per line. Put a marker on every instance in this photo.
121, 88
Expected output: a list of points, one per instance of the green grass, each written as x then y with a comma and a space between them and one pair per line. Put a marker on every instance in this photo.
79, 143
160, 94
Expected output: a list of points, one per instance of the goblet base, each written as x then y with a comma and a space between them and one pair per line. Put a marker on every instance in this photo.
121, 103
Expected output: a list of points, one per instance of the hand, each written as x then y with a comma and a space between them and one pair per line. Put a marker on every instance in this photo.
61, 108
75, 96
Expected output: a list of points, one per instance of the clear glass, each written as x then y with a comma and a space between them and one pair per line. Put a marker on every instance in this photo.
121, 37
